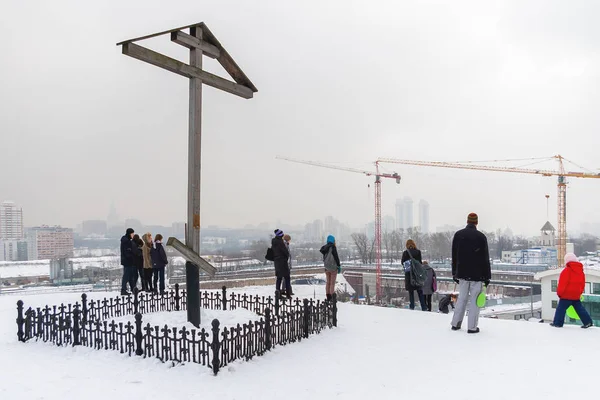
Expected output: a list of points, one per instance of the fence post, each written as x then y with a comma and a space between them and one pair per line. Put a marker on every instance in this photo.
20, 321
84, 308
138, 334
76, 331
177, 298
224, 299
306, 318
334, 297
268, 343
277, 296
215, 346
136, 301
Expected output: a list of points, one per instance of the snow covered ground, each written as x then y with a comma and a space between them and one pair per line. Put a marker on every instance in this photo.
375, 352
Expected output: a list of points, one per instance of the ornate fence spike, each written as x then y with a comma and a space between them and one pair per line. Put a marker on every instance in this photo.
267, 329
20, 321
138, 334
334, 309
215, 346
224, 298
177, 298
76, 331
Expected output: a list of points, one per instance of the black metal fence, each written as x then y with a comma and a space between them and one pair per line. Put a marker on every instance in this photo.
89, 324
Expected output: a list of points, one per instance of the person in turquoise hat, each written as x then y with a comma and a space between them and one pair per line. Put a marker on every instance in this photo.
332, 265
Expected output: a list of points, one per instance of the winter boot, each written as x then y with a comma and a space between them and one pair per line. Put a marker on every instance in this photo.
457, 327
125, 293
476, 330
328, 297
588, 325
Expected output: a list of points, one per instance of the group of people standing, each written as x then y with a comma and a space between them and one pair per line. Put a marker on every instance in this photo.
282, 257
471, 270
145, 259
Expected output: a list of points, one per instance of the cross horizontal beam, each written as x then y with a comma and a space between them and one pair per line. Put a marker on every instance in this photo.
183, 69
194, 43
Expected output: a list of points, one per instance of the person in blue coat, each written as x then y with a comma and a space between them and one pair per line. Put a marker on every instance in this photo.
159, 262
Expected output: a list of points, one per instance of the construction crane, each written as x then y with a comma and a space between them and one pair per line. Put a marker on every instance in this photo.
561, 173
378, 175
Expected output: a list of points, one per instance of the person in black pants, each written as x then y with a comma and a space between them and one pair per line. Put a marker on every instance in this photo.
139, 260
406, 258
159, 262
281, 255
129, 252
430, 286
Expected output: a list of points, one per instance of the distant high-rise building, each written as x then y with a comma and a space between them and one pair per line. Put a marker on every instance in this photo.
388, 224
332, 227
11, 221
313, 232
94, 227
13, 250
49, 242
424, 216
404, 213
113, 218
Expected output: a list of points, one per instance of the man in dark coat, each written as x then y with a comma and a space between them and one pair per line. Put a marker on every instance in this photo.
471, 269
281, 255
129, 252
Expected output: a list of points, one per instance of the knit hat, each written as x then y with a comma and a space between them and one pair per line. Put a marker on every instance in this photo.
278, 233
473, 219
570, 257
330, 239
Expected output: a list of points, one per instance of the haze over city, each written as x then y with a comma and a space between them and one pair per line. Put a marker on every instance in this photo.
461, 81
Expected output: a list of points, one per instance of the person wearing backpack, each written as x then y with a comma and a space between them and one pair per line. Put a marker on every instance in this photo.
281, 255
430, 286
471, 270
331, 260
409, 256
159, 262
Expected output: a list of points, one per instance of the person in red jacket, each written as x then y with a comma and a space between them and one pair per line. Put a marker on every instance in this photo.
570, 287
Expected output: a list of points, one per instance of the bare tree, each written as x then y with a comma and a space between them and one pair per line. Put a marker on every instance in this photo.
361, 241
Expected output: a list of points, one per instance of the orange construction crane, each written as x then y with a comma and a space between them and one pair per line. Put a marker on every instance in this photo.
562, 175
378, 177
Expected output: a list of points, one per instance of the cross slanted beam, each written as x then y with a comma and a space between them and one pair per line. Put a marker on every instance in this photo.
170, 64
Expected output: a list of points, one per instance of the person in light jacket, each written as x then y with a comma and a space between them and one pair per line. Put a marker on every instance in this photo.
159, 262
332, 265
146, 251
430, 286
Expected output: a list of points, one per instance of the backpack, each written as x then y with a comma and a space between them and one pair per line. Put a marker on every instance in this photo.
418, 274
329, 261
270, 256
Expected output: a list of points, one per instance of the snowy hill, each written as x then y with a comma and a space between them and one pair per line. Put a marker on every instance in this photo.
375, 352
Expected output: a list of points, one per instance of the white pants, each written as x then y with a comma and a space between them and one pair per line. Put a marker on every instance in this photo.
468, 292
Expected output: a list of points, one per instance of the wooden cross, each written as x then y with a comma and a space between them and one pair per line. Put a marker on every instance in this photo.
200, 41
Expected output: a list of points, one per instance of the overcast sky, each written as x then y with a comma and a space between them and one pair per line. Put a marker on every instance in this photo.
339, 81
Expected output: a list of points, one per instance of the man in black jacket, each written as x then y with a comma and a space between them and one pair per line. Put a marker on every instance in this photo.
281, 254
129, 251
470, 269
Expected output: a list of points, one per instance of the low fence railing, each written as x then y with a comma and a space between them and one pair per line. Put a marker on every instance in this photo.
91, 324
